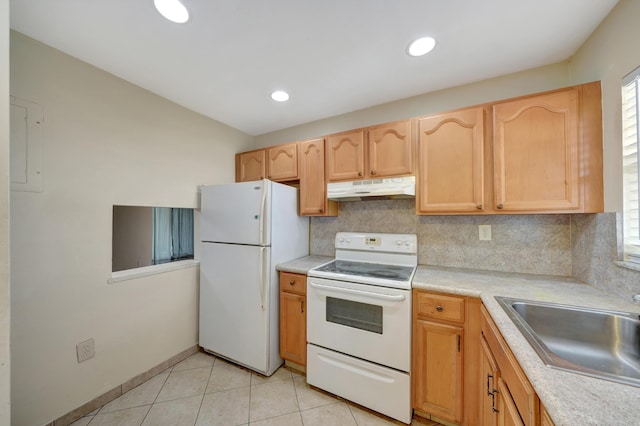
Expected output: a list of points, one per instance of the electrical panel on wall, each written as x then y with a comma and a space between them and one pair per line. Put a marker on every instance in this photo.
26, 145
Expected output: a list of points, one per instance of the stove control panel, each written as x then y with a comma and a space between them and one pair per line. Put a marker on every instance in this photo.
392, 243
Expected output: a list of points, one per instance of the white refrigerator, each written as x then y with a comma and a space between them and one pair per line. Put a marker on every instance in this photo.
247, 228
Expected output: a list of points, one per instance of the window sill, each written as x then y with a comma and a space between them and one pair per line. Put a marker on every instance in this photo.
132, 274
634, 266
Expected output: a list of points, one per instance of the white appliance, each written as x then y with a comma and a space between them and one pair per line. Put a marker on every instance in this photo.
397, 187
359, 321
247, 229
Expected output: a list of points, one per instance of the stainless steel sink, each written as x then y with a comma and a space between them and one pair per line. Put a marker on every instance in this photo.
597, 343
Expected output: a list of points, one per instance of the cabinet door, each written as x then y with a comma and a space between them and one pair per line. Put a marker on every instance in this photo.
437, 369
545, 418
536, 153
293, 328
250, 166
489, 381
345, 156
282, 162
313, 187
451, 164
508, 414
390, 150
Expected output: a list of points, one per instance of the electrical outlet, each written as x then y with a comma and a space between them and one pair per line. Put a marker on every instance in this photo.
85, 350
484, 231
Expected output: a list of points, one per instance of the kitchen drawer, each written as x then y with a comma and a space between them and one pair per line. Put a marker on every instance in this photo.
293, 283
523, 394
439, 306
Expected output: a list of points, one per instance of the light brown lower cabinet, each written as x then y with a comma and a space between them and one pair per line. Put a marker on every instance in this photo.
545, 419
445, 378
508, 397
293, 318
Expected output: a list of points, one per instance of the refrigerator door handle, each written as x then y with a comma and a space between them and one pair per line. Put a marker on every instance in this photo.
263, 280
263, 202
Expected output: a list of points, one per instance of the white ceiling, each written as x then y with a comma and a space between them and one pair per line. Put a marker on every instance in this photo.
332, 56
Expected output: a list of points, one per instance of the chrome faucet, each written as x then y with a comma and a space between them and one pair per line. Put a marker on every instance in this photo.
636, 298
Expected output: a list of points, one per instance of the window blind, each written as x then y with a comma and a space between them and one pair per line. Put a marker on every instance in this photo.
630, 152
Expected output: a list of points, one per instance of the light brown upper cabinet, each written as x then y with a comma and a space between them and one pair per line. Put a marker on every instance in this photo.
282, 162
278, 163
390, 149
251, 165
345, 156
375, 152
537, 153
451, 162
547, 152
313, 187
534, 154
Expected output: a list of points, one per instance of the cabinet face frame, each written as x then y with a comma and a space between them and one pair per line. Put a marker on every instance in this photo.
445, 139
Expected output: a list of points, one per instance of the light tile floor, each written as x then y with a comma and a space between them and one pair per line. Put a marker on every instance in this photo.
205, 390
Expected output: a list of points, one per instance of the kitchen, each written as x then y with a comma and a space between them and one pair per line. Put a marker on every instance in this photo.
90, 167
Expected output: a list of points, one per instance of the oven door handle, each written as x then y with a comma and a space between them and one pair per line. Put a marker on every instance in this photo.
394, 297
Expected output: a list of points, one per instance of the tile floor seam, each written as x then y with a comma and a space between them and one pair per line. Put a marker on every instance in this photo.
215, 360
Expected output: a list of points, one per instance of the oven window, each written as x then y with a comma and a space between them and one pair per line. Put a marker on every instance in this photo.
354, 314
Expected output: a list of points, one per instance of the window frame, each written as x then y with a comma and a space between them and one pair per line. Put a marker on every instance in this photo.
630, 144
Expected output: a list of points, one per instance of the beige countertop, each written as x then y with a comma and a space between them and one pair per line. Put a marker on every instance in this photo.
571, 399
303, 264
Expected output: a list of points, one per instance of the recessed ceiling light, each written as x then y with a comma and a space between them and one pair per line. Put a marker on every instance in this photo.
280, 96
421, 46
173, 10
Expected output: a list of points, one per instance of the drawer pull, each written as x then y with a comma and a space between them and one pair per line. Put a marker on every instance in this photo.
439, 308
292, 282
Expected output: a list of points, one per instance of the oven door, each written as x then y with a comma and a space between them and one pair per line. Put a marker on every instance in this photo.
365, 321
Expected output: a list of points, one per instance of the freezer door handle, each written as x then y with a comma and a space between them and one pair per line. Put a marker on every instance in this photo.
263, 279
393, 297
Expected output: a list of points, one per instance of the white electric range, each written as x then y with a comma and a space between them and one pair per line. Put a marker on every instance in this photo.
359, 321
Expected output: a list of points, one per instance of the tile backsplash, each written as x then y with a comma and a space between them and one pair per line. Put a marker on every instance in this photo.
583, 246
539, 244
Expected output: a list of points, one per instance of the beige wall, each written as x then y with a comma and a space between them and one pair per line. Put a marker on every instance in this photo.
508, 86
5, 365
608, 55
106, 142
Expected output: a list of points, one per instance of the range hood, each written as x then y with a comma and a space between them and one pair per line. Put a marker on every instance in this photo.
386, 188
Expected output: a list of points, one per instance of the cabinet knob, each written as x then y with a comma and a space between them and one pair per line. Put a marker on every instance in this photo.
292, 282
268, 177
479, 207
261, 177
373, 172
439, 308
359, 173
321, 210
500, 206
